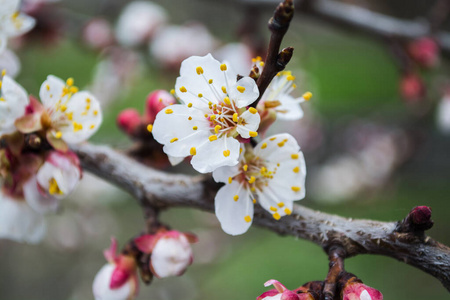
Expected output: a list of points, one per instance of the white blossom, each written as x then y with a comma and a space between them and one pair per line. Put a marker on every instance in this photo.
278, 96
273, 174
13, 100
12, 22
10, 63
19, 222
73, 115
55, 180
212, 115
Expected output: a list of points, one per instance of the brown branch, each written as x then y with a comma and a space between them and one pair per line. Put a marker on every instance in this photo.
162, 190
336, 256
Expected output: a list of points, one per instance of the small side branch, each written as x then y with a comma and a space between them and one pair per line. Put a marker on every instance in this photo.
162, 190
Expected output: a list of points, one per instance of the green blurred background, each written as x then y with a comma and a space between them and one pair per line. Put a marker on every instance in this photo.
350, 74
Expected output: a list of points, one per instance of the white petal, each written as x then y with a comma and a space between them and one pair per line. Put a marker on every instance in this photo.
39, 202
19, 222
174, 160
3, 42
252, 124
180, 124
290, 108
171, 257
13, 107
51, 91
210, 155
223, 174
232, 214
101, 288
248, 96
277, 148
196, 84
9, 62
15, 26
86, 111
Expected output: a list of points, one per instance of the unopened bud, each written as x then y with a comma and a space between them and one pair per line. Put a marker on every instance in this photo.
356, 290
129, 120
425, 51
156, 101
412, 88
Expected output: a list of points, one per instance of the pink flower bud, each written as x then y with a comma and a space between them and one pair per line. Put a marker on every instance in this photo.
156, 101
128, 120
412, 88
117, 280
360, 291
171, 252
425, 51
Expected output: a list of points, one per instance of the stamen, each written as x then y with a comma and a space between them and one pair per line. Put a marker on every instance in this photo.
168, 111
195, 128
296, 169
217, 128
264, 146
307, 96
183, 89
281, 204
223, 67
276, 216
199, 70
226, 153
253, 133
149, 127
230, 180
294, 156
212, 138
248, 219
193, 151
235, 117
287, 211
189, 105
241, 89
295, 188
252, 110
236, 198
273, 208
174, 140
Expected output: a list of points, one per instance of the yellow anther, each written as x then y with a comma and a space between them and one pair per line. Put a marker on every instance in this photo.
235, 197
92, 127
88, 107
273, 208
280, 144
294, 86
95, 112
281, 204
193, 151
189, 105
200, 95
307, 96
290, 78
73, 89
294, 156
77, 126
149, 127
230, 180
264, 146
199, 70
252, 180
227, 100
174, 140
69, 81
172, 91
245, 167
224, 89
241, 89
276, 216
273, 139
1, 84
223, 67
47, 87
254, 201
3, 72
168, 111
287, 211
217, 128
253, 110
58, 134
183, 89
194, 128
253, 133
226, 153
261, 64
295, 188
69, 116
212, 118
53, 187
210, 81
88, 100
235, 117
248, 219
63, 108
296, 169
212, 138
189, 118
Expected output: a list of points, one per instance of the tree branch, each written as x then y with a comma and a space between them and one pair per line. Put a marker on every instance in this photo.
162, 190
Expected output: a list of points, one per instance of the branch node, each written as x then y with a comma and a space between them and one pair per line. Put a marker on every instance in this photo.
417, 221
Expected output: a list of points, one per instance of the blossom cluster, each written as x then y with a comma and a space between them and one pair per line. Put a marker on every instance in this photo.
214, 124
37, 169
169, 254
